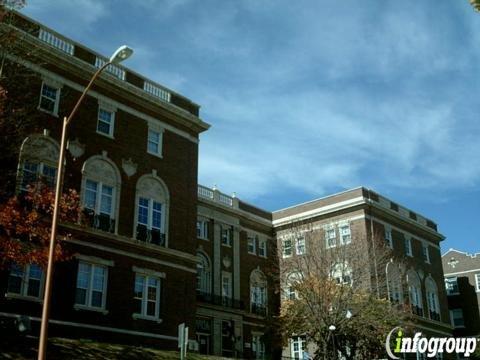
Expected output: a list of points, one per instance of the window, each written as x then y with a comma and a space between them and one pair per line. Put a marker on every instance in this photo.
226, 288
251, 244
204, 275
287, 247
154, 142
227, 233
262, 248
150, 221
330, 238
345, 235
33, 172
457, 318
451, 285
297, 346
258, 293
147, 296
49, 98
415, 293
100, 192
91, 285
293, 280
300, 246
105, 123
202, 229
408, 246
432, 299
258, 347
98, 200
25, 281
388, 237
151, 214
341, 273
425, 253
477, 282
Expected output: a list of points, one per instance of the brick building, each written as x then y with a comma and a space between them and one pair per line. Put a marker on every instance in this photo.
235, 291
462, 282
361, 215
132, 155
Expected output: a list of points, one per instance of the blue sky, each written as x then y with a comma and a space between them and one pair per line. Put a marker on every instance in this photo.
314, 97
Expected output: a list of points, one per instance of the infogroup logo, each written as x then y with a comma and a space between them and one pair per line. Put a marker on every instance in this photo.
429, 346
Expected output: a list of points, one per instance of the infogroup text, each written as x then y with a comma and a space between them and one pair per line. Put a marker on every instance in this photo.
429, 346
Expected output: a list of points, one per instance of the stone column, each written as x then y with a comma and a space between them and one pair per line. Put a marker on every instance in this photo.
217, 266
236, 263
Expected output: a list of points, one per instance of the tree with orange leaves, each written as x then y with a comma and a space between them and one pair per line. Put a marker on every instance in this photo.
25, 222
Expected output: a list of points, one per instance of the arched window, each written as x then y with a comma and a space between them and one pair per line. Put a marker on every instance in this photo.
395, 284
204, 275
151, 211
258, 293
38, 161
341, 273
415, 293
101, 183
432, 298
290, 292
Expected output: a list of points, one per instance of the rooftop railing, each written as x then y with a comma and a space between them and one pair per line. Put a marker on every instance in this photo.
217, 196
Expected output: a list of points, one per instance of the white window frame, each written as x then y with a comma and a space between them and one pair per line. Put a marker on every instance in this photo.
24, 285
158, 131
227, 280
298, 246
477, 282
262, 248
452, 312
56, 101
447, 282
149, 274
348, 233
229, 233
302, 346
388, 237
202, 229
426, 253
39, 173
258, 346
284, 254
88, 296
252, 244
98, 197
150, 211
111, 128
328, 237
407, 245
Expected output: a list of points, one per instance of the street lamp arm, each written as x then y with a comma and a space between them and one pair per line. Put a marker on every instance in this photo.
84, 93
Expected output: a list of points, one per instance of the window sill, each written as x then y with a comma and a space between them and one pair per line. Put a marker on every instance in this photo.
145, 317
90, 308
252, 253
55, 114
226, 245
286, 256
453, 294
106, 135
23, 297
203, 238
160, 156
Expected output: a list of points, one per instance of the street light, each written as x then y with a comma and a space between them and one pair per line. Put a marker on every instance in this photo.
386, 276
122, 53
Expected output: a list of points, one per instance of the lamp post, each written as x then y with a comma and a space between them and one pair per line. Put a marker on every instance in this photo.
122, 53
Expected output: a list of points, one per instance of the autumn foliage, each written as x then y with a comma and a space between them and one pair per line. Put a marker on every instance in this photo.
25, 222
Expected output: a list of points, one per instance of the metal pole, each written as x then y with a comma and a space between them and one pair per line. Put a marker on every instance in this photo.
42, 347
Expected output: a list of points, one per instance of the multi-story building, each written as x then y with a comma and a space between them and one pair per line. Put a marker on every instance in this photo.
462, 282
132, 156
235, 287
361, 215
